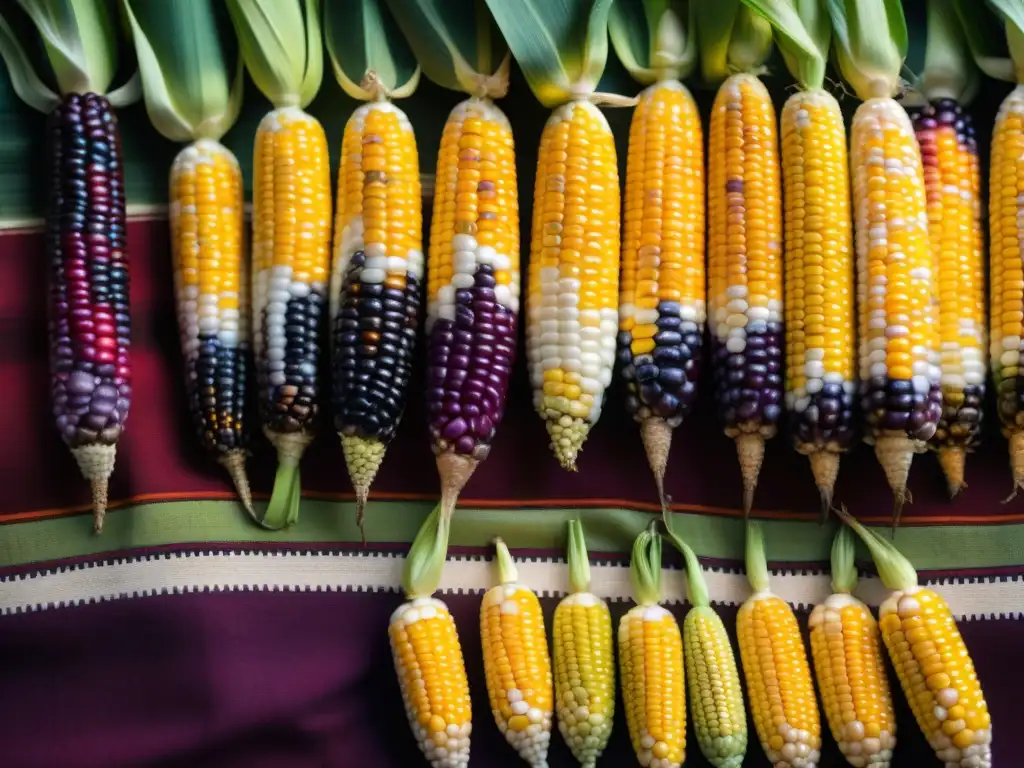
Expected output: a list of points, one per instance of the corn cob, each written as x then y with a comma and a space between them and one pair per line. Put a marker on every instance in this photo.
662, 295
779, 682
931, 660
574, 275
849, 666
651, 664
291, 239
206, 217
712, 677
473, 288
1007, 274
376, 280
820, 353
516, 663
428, 656
897, 311
584, 660
952, 180
745, 269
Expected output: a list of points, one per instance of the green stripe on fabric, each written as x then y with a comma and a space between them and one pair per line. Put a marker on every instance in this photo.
607, 530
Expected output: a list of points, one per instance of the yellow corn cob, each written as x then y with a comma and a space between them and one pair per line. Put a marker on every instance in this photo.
584, 660
820, 353
1007, 272
574, 275
651, 665
745, 269
662, 296
931, 660
849, 667
516, 663
779, 684
898, 333
376, 282
945, 133
432, 676
211, 284
290, 257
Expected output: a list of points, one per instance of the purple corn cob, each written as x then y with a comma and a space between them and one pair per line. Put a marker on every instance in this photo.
90, 327
473, 290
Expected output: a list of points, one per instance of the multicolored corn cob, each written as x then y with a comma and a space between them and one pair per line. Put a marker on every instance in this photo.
820, 351
901, 398
473, 288
516, 663
574, 275
651, 664
428, 656
662, 296
945, 133
211, 285
745, 269
716, 698
90, 325
779, 684
376, 281
290, 249
584, 660
1007, 274
849, 666
931, 660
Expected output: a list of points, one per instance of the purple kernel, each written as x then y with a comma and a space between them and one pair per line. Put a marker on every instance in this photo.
465, 444
454, 429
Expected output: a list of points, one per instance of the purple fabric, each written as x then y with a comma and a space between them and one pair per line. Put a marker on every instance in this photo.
301, 679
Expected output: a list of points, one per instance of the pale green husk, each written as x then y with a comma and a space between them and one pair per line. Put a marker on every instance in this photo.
187, 81
756, 559
655, 39
645, 567
870, 44
948, 71
895, 571
281, 46
560, 45
456, 43
370, 57
507, 573
844, 566
732, 37
579, 562
80, 41
1012, 13
803, 33
425, 561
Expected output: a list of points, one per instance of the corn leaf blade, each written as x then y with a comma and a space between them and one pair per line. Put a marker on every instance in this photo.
803, 40
451, 39
362, 36
560, 45
655, 40
27, 84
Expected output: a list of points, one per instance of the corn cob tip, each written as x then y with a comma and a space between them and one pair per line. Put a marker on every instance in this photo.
567, 439
234, 463
952, 459
455, 470
363, 457
896, 453
1016, 464
657, 437
96, 463
750, 448
825, 468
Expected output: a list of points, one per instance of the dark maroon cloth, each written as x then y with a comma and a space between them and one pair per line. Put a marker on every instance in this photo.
304, 679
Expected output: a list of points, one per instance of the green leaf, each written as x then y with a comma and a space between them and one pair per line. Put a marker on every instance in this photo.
756, 559
280, 42
507, 572
456, 42
871, 44
422, 572
656, 39
579, 562
363, 37
24, 79
80, 41
949, 71
560, 45
187, 80
803, 34
751, 42
895, 571
645, 567
1012, 12
844, 566
986, 40
733, 38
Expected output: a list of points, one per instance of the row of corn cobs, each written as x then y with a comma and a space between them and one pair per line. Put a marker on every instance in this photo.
658, 664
